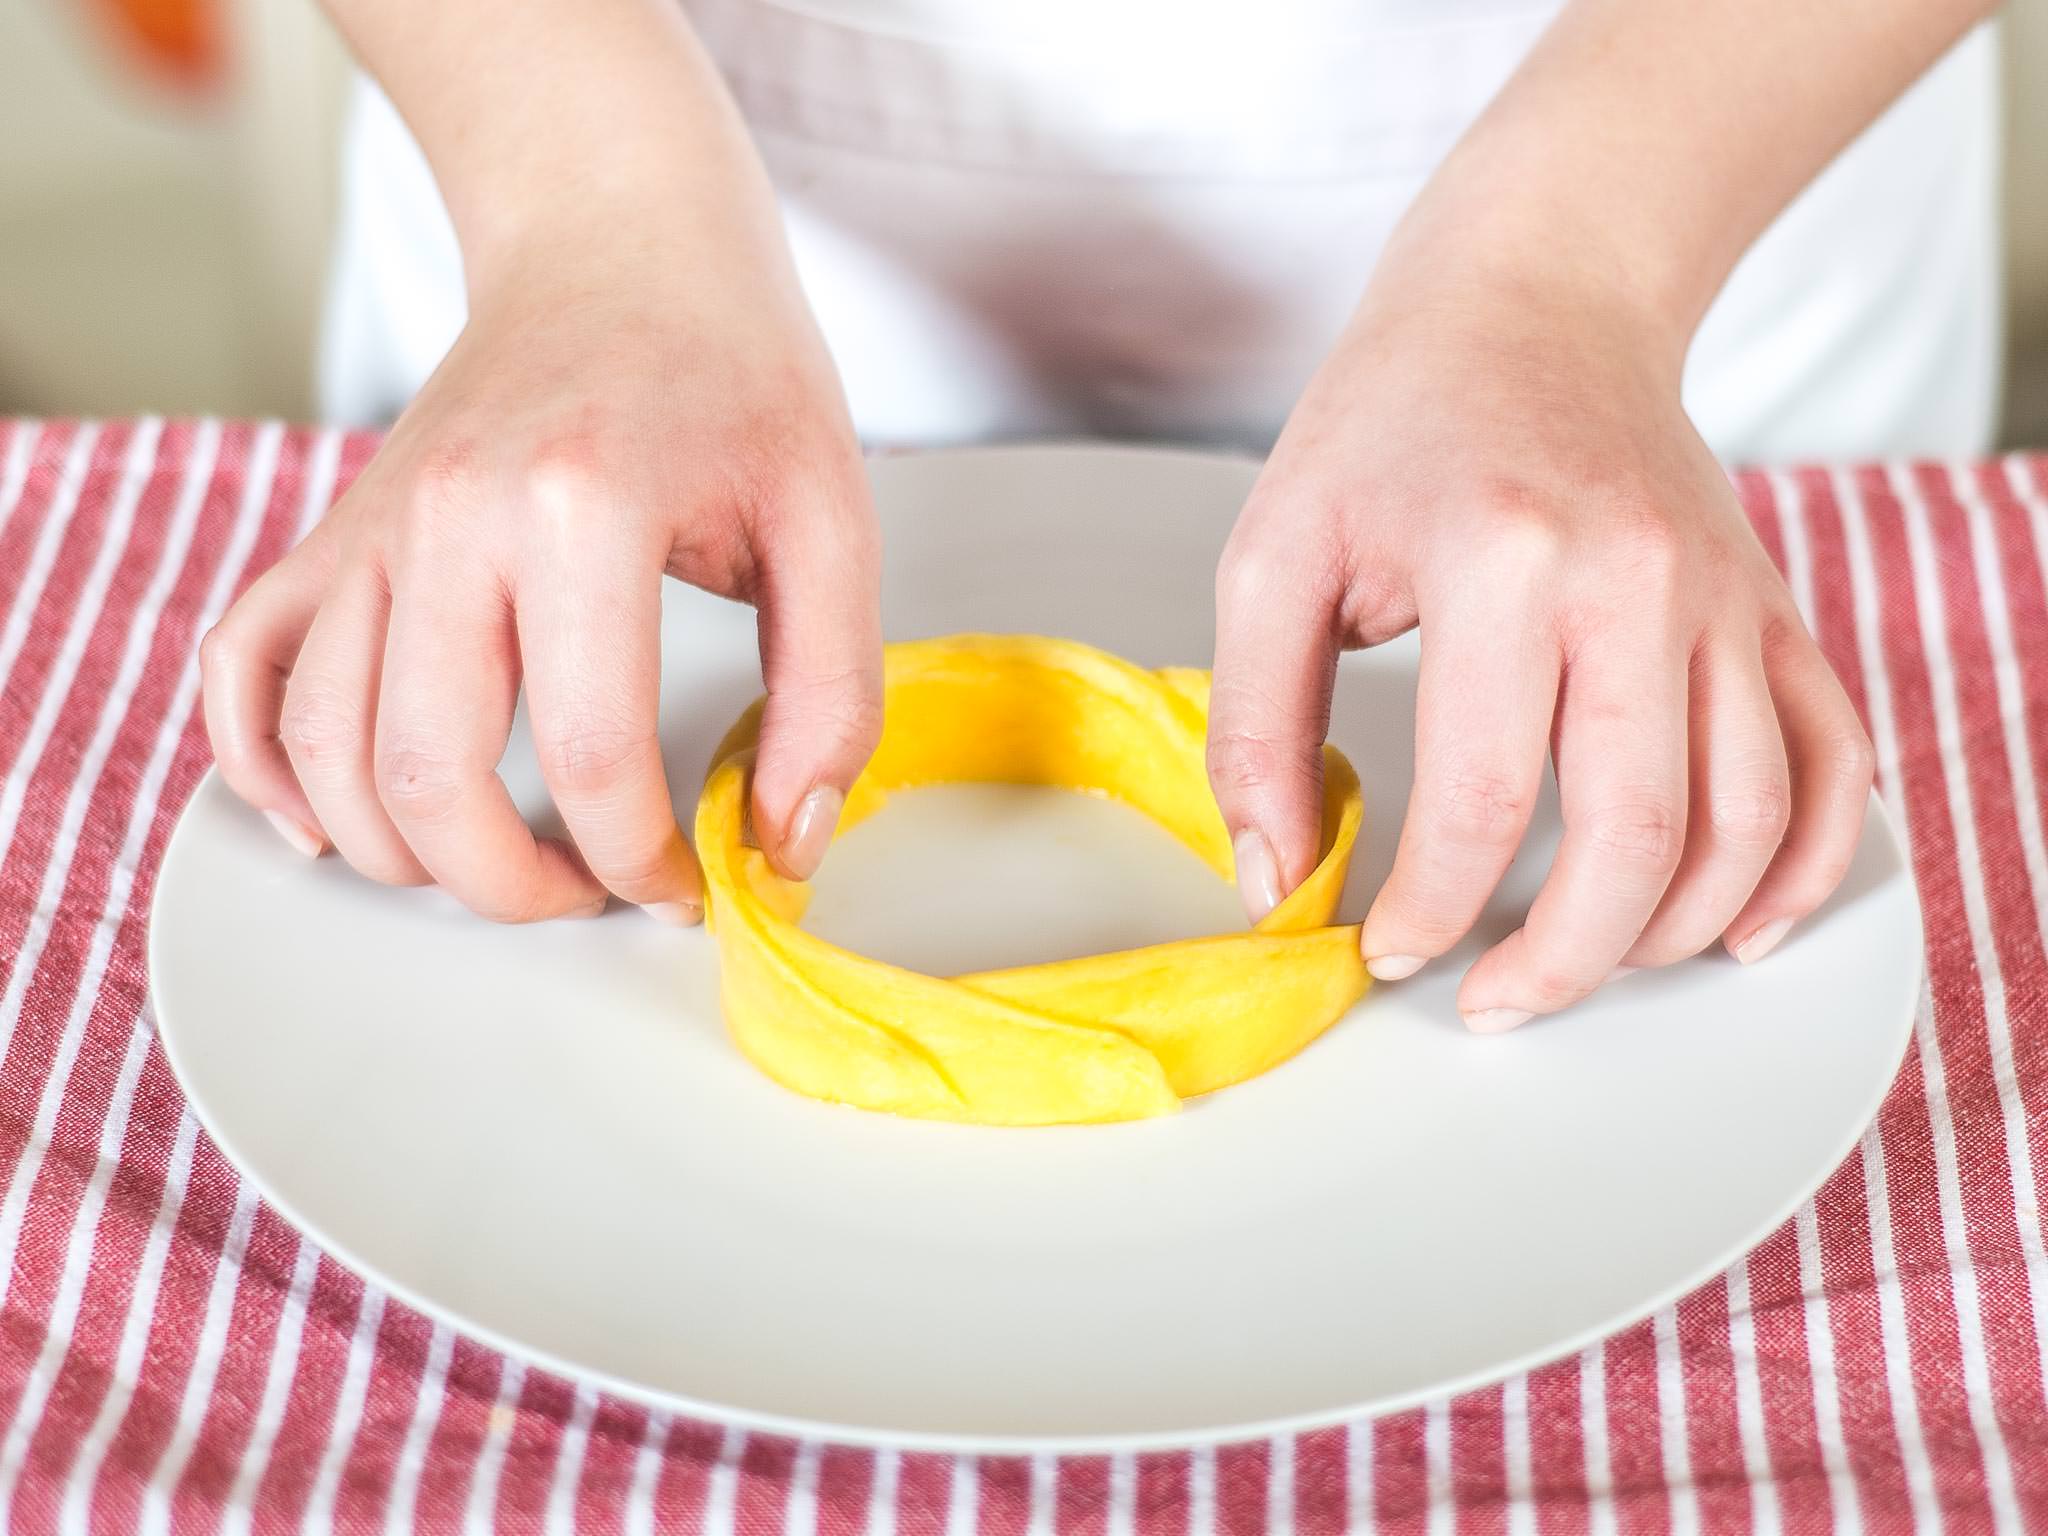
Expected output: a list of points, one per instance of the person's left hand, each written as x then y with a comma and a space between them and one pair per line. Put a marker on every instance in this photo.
1503, 460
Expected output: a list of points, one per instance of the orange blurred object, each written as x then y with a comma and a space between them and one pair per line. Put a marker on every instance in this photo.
183, 43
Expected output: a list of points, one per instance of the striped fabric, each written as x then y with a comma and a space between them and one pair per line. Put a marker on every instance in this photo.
173, 1357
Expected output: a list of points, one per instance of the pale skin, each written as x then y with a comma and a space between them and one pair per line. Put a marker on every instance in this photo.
1494, 450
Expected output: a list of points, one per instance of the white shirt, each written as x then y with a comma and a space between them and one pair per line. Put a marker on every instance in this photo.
1140, 219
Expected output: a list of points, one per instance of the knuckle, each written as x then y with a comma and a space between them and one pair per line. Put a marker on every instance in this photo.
642, 869
1246, 575
515, 891
416, 781
1524, 533
447, 477
848, 713
1421, 916
1815, 860
443, 493
1815, 881
1293, 555
512, 904
318, 724
566, 473
1645, 834
858, 724
1240, 761
1851, 760
1237, 761
590, 755
1782, 633
216, 650
1479, 807
1551, 979
1753, 814
843, 710
1555, 985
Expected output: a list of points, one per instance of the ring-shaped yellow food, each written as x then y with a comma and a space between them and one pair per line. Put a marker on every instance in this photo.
1108, 1037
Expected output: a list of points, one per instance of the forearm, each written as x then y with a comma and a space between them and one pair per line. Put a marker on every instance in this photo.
555, 120
1647, 143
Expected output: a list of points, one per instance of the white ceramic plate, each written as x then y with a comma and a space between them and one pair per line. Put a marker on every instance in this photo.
543, 1137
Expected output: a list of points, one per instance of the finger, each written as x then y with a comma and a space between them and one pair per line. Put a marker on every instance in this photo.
1483, 709
445, 709
244, 661
819, 596
328, 727
1269, 710
1740, 804
590, 642
1831, 764
1621, 772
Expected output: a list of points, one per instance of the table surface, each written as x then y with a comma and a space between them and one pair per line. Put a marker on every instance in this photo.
173, 1356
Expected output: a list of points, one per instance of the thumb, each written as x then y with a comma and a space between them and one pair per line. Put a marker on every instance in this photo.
821, 659
1269, 709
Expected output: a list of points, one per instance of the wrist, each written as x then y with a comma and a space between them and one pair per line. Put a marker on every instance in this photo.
692, 236
600, 247
609, 142
1529, 259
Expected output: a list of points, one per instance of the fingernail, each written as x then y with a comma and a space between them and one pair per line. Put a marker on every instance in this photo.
810, 831
1620, 971
1763, 941
1496, 1021
680, 914
589, 909
302, 839
1258, 875
1395, 967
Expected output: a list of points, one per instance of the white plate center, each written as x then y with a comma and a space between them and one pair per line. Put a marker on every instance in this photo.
975, 877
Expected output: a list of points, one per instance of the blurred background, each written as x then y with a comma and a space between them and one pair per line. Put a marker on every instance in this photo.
167, 181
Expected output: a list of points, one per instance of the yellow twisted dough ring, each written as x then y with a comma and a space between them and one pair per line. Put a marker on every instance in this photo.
1110, 1037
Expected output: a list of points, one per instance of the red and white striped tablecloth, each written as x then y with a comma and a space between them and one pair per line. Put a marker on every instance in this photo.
174, 1357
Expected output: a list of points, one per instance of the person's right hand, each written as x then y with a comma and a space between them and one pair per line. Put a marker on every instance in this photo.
630, 413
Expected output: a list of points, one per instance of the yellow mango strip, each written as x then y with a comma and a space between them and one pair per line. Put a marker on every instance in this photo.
1108, 1037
